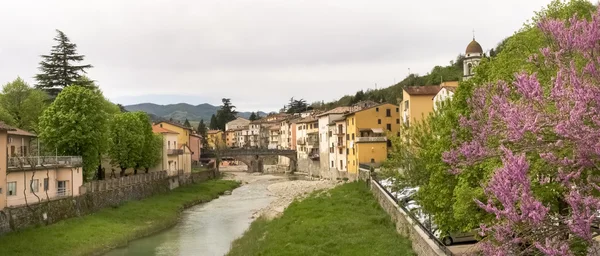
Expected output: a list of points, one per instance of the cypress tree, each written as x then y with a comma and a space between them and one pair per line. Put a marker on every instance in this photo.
57, 68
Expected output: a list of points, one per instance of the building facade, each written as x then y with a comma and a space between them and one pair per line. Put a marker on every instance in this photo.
417, 102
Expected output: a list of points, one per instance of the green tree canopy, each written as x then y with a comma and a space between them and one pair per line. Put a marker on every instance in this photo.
213, 123
224, 115
187, 123
127, 134
58, 69
76, 124
152, 144
202, 130
23, 103
252, 116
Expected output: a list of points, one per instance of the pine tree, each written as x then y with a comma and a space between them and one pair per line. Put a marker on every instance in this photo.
213, 123
202, 130
187, 123
225, 114
57, 69
252, 116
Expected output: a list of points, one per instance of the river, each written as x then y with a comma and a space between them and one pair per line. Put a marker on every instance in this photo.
206, 229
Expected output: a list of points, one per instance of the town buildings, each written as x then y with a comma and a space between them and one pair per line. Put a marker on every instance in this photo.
30, 178
215, 138
195, 148
175, 159
326, 142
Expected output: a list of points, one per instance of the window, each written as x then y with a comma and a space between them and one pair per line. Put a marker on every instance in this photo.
341, 164
378, 121
389, 127
347, 136
175, 144
398, 134
388, 112
406, 105
397, 120
12, 188
389, 143
397, 110
341, 151
332, 164
9, 140
353, 121
354, 151
330, 133
376, 109
353, 136
372, 160
62, 186
34, 186
347, 151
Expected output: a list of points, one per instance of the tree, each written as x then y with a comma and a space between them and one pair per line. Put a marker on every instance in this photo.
23, 103
76, 124
202, 130
187, 123
541, 132
252, 116
226, 114
297, 106
122, 108
213, 123
57, 68
126, 139
153, 144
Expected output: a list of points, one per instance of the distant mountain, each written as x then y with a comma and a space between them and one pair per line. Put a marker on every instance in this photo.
181, 111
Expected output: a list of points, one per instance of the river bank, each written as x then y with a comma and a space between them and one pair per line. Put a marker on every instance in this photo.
97, 233
345, 220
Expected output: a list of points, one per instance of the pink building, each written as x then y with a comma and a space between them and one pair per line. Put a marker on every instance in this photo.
195, 147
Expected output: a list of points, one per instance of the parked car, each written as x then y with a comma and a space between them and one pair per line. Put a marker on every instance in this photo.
459, 237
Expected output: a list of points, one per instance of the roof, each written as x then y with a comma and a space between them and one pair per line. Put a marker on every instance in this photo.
213, 131
175, 124
195, 135
17, 131
307, 119
361, 109
275, 127
338, 110
157, 129
474, 47
422, 90
6, 127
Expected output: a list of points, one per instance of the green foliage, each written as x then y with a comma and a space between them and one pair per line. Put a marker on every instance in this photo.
76, 123
23, 103
57, 68
111, 227
345, 220
224, 115
187, 123
213, 123
202, 130
252, 116
126, 140
152, 143
449, 197
297, 106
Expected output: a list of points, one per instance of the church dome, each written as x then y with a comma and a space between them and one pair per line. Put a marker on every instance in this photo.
474, 47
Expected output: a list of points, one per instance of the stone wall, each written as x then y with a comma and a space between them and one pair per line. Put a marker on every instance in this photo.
421, 243
97, 195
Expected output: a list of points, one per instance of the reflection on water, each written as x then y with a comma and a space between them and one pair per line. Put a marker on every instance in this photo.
206, 229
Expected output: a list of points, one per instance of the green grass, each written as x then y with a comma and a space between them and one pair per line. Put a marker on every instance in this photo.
346, 220
200, 169
111, 227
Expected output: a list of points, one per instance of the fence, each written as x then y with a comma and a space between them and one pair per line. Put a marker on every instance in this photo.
411, 215
102, 185
31, 161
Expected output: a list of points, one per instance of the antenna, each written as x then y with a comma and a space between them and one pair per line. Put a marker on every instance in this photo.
473, 34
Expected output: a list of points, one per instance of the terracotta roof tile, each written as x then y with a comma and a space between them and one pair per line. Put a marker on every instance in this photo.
213, 131
20, 132
338, 110
157, 129
6, 127
422, 90
175, 124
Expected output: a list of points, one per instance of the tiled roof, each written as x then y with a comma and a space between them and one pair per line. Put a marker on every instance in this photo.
6, 127
213, 131
307, 119
422, 90
157, 129
20, 132
175, 124
338, 110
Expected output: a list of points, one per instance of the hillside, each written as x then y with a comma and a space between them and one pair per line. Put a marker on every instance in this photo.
181, 111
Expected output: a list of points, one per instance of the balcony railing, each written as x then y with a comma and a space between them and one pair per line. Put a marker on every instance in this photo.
300, 142
39, 161
174, 151
371, 139
341, 145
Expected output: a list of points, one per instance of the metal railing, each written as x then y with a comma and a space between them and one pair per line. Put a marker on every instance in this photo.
174, 151
35, 161
371, 139
415, 220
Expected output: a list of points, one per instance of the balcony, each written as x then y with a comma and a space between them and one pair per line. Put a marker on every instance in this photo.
370, 139
300, 142
174, 152
31, 162
341, 145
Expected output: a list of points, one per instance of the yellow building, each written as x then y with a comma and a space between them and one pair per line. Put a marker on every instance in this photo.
183, 136
215, 137
417, 102
367, 132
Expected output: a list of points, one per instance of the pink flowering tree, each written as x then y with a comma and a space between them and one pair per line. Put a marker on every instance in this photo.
545, 196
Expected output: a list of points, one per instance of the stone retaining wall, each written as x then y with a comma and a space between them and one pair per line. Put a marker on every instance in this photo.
98, 195
421, 243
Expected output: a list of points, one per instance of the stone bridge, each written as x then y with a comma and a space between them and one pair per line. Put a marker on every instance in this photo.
253, 157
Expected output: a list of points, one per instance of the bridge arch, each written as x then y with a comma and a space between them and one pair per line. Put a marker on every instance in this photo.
253, 157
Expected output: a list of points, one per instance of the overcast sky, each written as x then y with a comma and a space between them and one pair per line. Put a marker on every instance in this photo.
259, 53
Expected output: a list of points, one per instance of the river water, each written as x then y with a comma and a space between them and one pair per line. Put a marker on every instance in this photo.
206, 229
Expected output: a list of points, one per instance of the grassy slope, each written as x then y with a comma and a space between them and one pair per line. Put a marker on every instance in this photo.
112, 226
343, 221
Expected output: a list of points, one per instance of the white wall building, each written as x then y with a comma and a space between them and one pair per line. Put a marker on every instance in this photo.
446, 93
237, 123
324, 137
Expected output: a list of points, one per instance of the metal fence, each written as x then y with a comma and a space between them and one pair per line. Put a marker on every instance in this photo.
415, 220
33, 161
